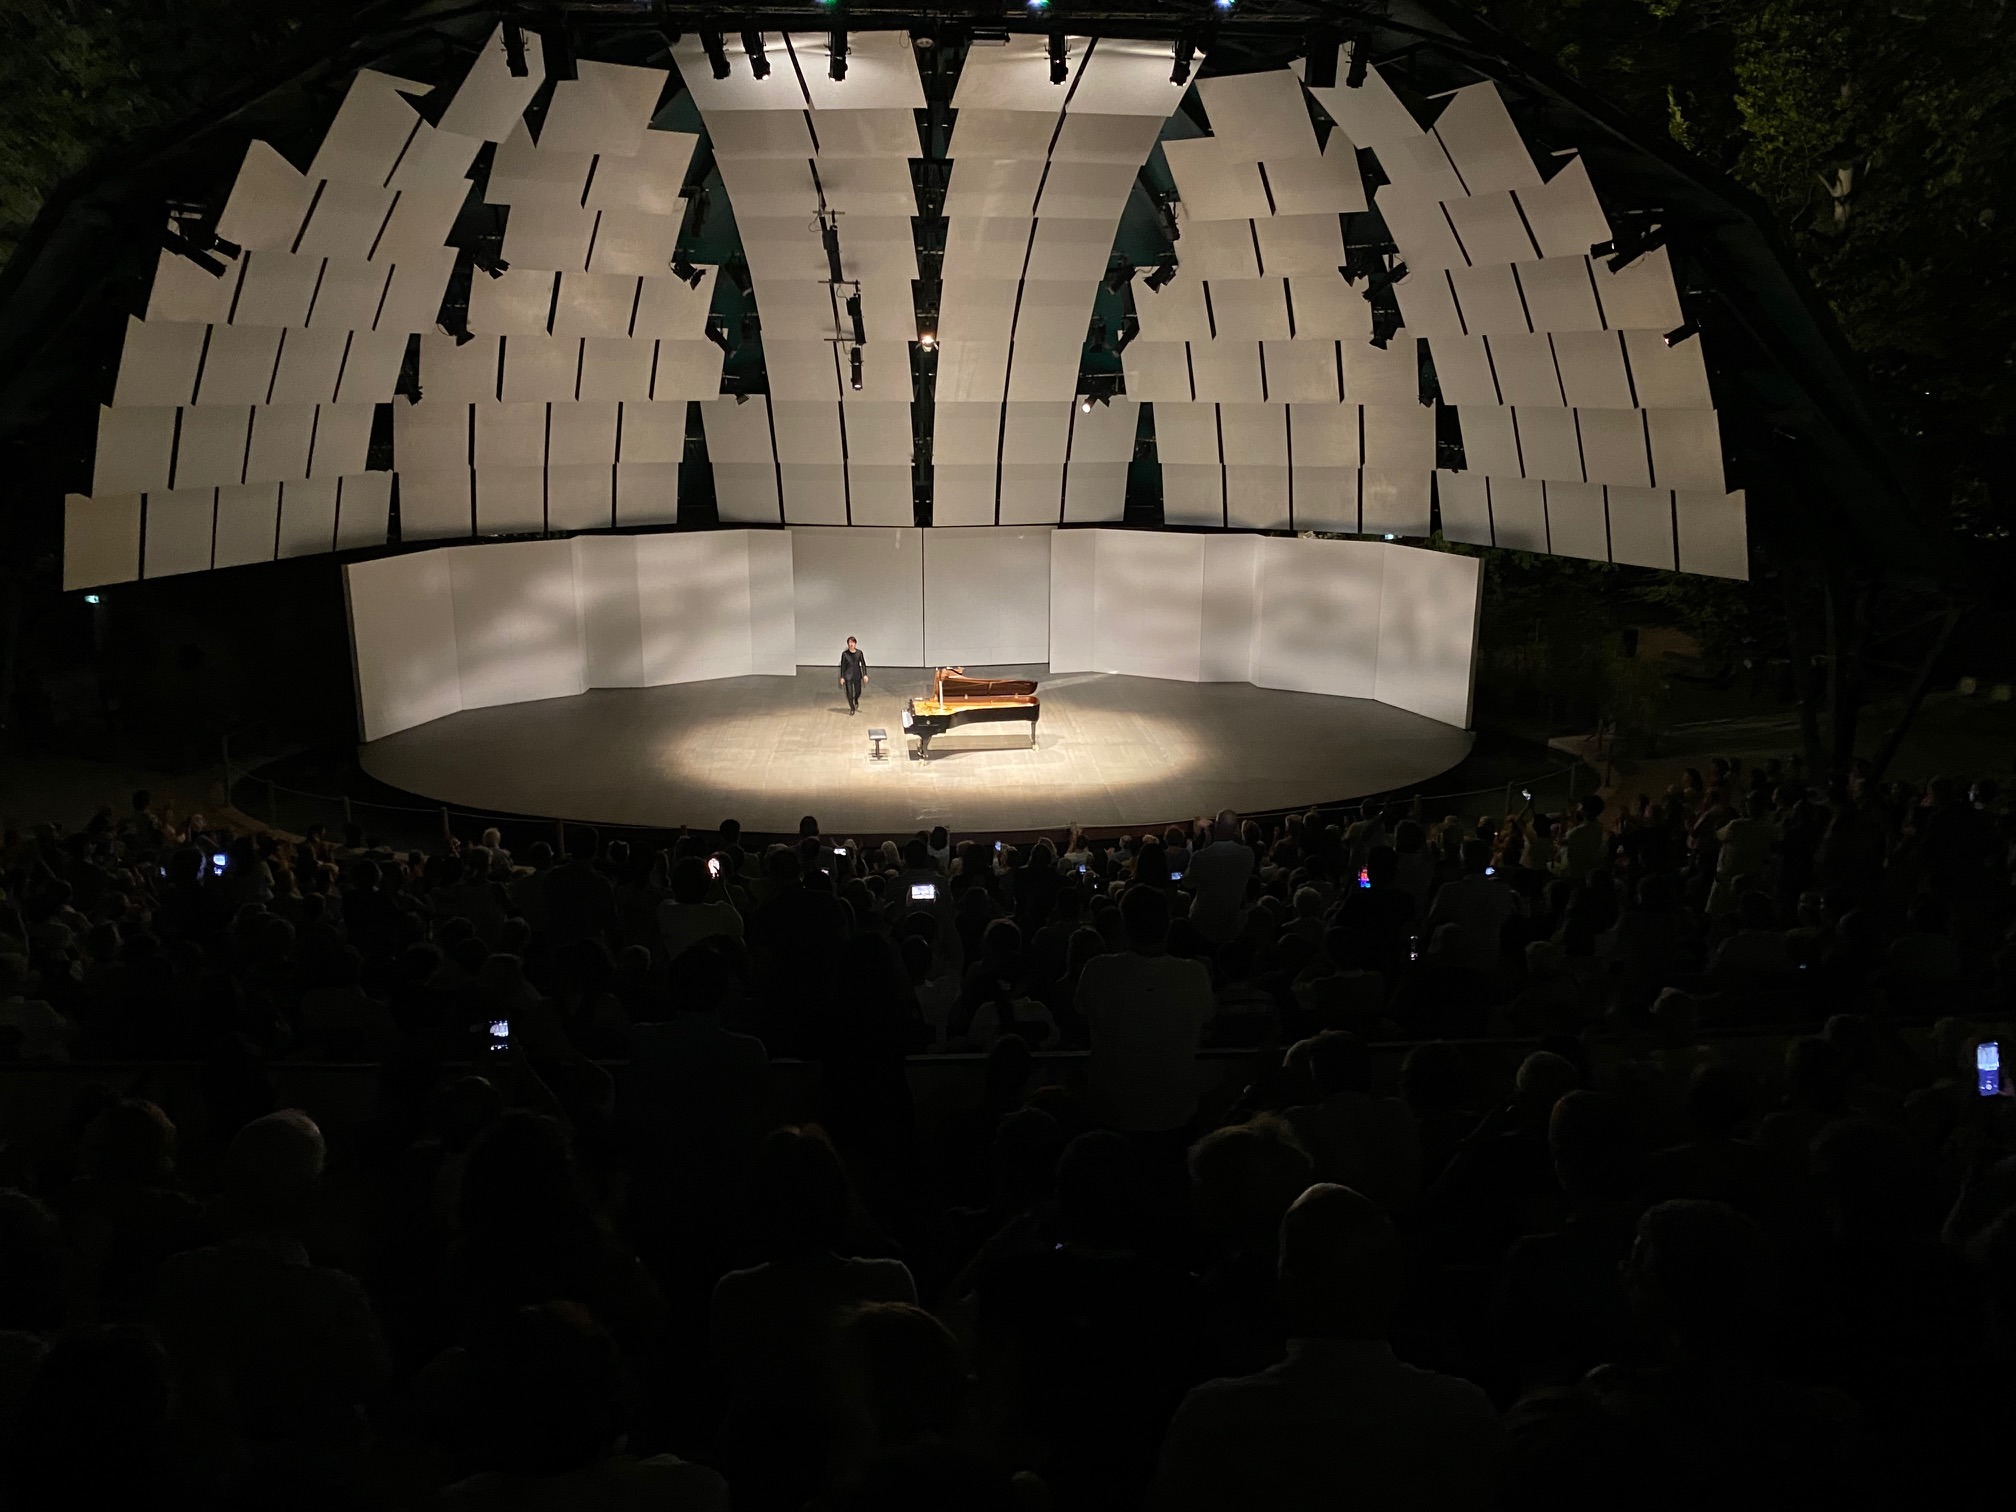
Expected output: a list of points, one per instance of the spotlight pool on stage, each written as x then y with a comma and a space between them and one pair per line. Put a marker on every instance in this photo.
1110, 752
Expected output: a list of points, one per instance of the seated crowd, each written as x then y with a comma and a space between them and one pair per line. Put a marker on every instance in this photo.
1639, 1150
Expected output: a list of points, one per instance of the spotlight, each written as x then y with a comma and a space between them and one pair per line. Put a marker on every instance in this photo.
1603, 248
854, 315
854, 368
752, 44
1354, 73
683, 269
1084, 404
556, 40
740, 397
1389, 536
92, 598
1037, 7
464, 336
700, 203
1687, 329
1186, 55
829, 238
514, 50
1119, 276
1098, 333
927, 339
836, 64
175, 243
1129, 329
1165, 270
1320, 50
738, 274
1060, 60
1221, 6
717, 332
717, 55
1378, 283
413, 394
497, 268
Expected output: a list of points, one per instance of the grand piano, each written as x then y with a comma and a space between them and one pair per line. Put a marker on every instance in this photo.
957, 699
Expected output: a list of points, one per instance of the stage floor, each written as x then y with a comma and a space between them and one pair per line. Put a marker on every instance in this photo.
1110, 752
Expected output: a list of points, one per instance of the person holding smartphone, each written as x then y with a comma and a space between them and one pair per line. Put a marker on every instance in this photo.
690, 915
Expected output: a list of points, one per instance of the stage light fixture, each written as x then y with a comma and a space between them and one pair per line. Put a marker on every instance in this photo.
836, 63
1186, 55
1378, 283
1687, 329
738, 274
188, 250
759, 64
1354, 72
464, 336
514, 50
1320, 49
1389, 536
683, 269
829, 238
699, 203
1222, 6
1098, 336
556, 39
1129, 329
1060, 59
1084, 404
854, 368
1119, 276
92, 598
1165, 270
854, 316
717, 55
717, 332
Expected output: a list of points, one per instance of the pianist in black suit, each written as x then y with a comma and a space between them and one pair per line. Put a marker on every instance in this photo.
853, 673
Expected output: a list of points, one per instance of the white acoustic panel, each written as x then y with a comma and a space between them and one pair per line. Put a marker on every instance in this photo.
974, 371
580, 496
350, 294
881, 72
1261, 114
419, 223
985, 247
1325, 497
239, 366
1187, 433
364, 510
1463, 371
1428, 610
648, 182
1394, 501
605, 109
459, 374
550, 237
516, 303
1524, 367
993, 186
541, 367
1548, 445
1591, 368
1126, 77
1012, 77
1420, 167
342, 439
1008, 625
1399, 437
159, 363
1489, 298
1087, 138
977, 310
281, 437
1095, 492
1326, 435
183, 292
1317, 626
1576, 525
402, 640
771, 186
180, 526
431, 437
510, 435
963, 493
865, 583
1613, 446
1217, 249
1301, 371
1157, 371
135, 449
435, 160
1326, 185
1327, 308
1073, 573
308, 518
1193, 494
310, 362
1482, 141
1175, 312
1667, 377
1566, 217
248, 523
1227, 371
653, 432
880, 494
879, 432
1105, 433
1641, 526
1032, 493
211, 446
1419, 227
1216, 180
815, 493
269, 201
1559, 295
346, 220
1490, 440
490, 102
510, 500
667, 308
371, 131
1245, 310
981, 133
1640, 294
1465, 503
1490, 229
1686, 449
581, 434
101, 540
966, 432
1713, 533
806, 430
1093, 191
868, 186
647, 493
1070, 248
1253, 434
1147, 605
1427, 302
1388, 375
739, 432
617, 368
278, 287
855, 132
681, 370
436, 506
1257, 497
1518, 514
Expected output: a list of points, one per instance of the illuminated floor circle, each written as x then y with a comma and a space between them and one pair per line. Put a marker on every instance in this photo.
1110, 752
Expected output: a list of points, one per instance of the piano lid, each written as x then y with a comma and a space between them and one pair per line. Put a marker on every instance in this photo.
953, 683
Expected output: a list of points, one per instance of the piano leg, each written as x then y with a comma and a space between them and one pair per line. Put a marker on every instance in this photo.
923, 746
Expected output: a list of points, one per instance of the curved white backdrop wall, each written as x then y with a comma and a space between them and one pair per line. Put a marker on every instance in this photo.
468, 627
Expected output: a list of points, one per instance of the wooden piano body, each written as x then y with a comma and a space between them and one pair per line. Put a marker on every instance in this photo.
957, 699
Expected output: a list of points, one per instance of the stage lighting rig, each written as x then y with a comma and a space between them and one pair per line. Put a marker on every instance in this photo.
1379, 283
1320, 72
1060, 59
738, 274
1130, 327
854, 368
854, 316
514, 50
1685, 331
557, 40
1186, 58
829, 238
836, 63
717, 332
1165, 270
1097, 338
1354, 72
717, 55
759, 64
683, 269
1118, 277
1639, 234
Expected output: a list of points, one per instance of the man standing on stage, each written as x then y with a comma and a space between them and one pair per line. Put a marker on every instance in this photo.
853, 673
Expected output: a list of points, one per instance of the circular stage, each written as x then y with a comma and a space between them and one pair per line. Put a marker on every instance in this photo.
1110, 752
